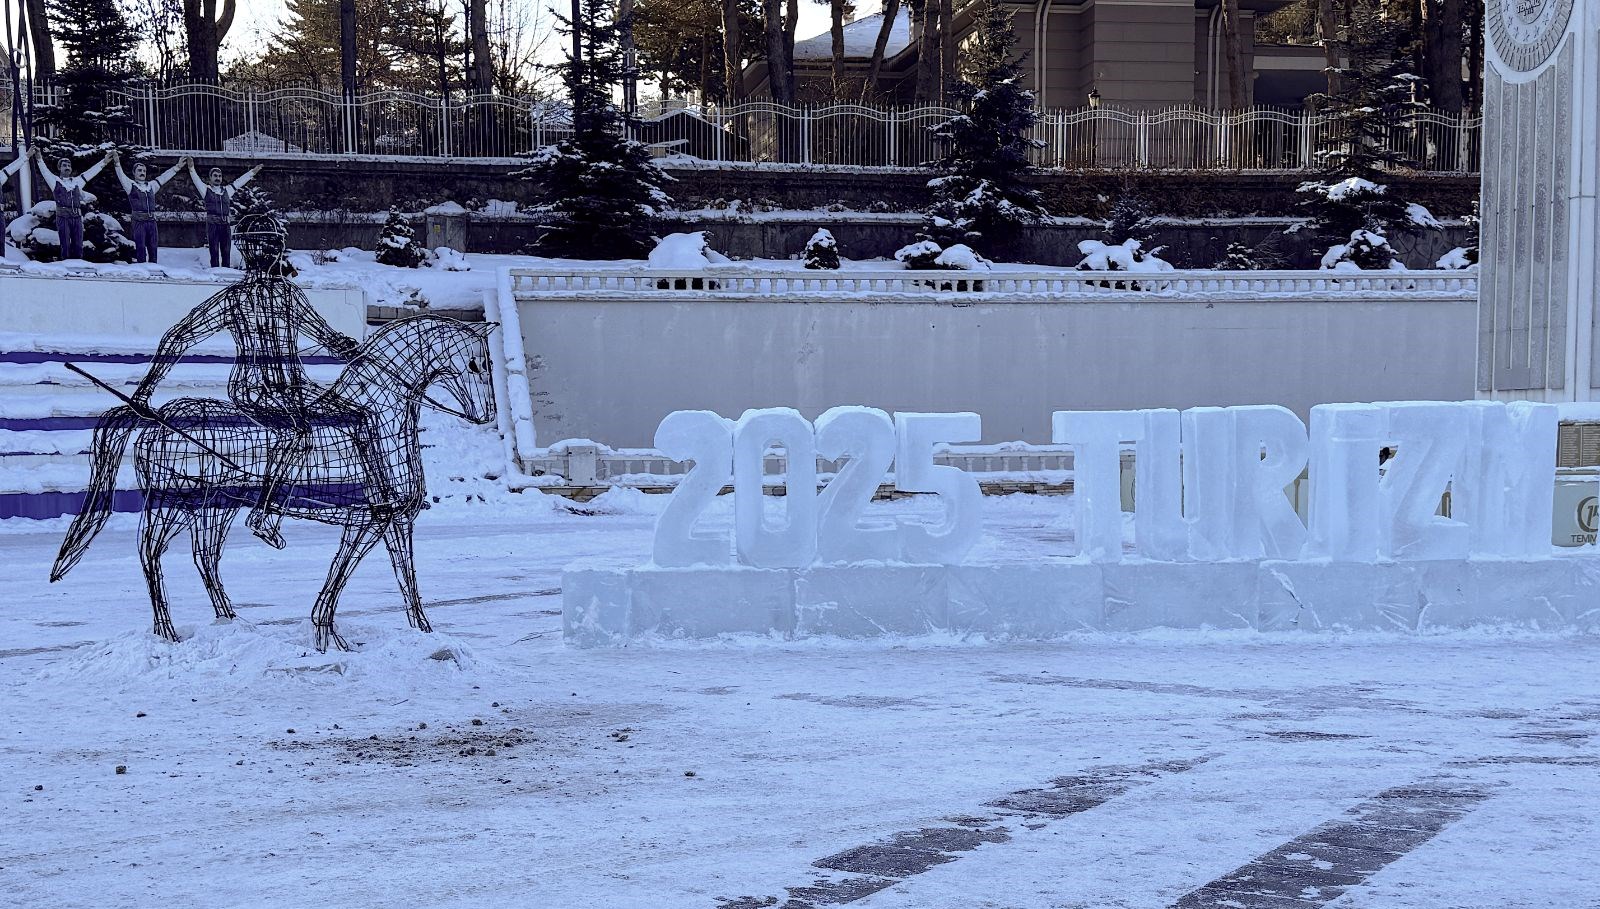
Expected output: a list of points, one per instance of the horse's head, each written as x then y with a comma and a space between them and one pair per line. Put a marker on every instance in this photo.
464, 370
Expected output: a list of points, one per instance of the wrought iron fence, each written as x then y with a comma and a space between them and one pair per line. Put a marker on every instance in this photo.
210, 118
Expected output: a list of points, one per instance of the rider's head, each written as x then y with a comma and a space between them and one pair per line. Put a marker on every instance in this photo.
261, 240
139, 172
64, 166
216, 176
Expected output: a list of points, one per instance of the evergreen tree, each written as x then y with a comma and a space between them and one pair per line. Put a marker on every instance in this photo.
1130, 219
600, 194
100, 44
397, 243
983, 198
1375, 92
822, 251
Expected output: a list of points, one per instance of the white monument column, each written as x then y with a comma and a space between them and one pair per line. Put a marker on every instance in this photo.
1537, 311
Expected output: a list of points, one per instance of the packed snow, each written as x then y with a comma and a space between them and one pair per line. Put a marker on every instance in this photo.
489, 762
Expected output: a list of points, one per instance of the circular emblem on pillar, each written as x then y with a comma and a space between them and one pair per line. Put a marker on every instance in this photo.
1526, 32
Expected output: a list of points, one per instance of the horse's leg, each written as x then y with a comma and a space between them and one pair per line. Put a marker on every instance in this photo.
210, 530
397, 539
157, 527
353, 544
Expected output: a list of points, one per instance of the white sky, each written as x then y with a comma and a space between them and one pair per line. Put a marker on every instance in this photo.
257, 19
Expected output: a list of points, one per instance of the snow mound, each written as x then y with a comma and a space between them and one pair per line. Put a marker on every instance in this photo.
238, 650
685, 251
448, 259
961, 256
1129, 255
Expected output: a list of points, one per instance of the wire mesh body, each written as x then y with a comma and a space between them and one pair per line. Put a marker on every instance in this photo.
347, 454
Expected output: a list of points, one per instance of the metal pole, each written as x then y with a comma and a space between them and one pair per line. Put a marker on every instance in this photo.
347, 68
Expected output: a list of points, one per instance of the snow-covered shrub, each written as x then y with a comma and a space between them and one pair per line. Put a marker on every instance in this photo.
919, 256
1340, 209
251, 199
1264, 256
1364, 250
685, 252
961, 257
1129, 255
1464, 256
822, 251
103, 240
397, 243
443, 257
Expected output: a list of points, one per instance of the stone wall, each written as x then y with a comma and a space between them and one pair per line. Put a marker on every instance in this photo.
373, 184
1195, 245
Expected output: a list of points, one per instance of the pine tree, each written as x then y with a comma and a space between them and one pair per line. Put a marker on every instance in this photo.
601, 195
822, 251
983, 198
1130, 219
1375, 93
100, 44
397, 243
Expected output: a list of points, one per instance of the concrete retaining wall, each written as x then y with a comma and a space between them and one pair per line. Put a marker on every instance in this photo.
1012, 363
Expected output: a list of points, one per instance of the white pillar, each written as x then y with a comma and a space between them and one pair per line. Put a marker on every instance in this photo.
1541, 156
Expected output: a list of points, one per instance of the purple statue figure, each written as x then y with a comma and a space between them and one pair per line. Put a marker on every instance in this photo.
68, 192
218, 197
142, 204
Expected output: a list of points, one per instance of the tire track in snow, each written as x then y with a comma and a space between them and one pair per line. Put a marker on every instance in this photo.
1316, 868
859, 872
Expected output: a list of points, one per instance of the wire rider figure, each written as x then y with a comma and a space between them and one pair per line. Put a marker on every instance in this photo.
266, 314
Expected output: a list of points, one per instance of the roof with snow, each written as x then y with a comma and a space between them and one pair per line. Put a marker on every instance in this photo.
859, 38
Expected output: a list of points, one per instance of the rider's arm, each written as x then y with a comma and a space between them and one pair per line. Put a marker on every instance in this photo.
199, 184
15, 167
203, 322
246, 177
314, 326
127, 184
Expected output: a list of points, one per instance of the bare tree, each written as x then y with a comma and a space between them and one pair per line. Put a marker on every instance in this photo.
891, 12
947, 48
836, 32
480, 76
780, 68
733, 63
927, 14
1328, 32
519, 32
44, 49
1233, 51
1441, 52
205, 27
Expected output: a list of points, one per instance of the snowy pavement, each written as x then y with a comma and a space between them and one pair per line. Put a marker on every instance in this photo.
490, 765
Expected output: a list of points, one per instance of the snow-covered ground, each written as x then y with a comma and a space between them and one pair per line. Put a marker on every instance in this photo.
488, 764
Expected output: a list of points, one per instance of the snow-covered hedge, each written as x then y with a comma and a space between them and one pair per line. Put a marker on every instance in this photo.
35, 235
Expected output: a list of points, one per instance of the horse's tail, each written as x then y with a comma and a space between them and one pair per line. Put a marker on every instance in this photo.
110, 438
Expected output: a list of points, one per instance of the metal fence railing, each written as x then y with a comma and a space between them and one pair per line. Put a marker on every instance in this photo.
211, 118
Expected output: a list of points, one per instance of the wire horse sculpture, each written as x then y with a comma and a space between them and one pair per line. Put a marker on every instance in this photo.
347, 454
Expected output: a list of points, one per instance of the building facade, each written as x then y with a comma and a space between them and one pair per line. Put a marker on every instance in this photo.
1141, 54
